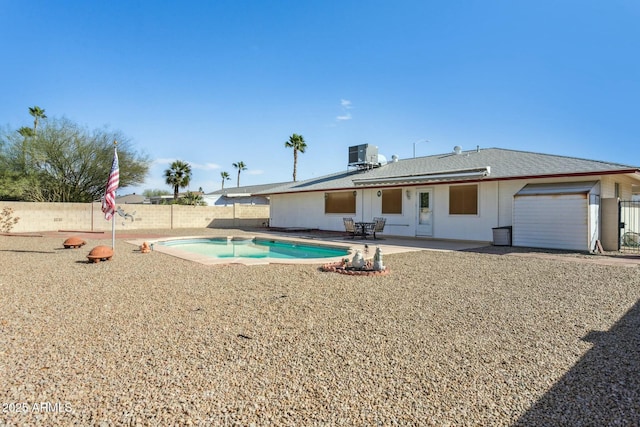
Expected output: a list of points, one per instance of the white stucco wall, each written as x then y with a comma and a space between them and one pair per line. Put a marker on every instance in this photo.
466, 227
300, 210
625, 182
495, 208
306, 210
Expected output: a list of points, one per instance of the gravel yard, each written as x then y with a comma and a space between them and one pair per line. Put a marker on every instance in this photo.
448, 338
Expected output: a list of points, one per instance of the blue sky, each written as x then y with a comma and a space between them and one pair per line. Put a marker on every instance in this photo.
217, 82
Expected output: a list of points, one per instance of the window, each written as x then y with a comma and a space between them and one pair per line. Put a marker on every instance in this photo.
463, 199
392, 201
343, 202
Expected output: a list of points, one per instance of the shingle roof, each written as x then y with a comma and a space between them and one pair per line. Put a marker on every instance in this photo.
502, 164
249, 189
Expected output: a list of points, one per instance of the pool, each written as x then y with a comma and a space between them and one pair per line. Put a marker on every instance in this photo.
231, 248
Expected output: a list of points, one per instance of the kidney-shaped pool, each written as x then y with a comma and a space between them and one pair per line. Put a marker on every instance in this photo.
233, 249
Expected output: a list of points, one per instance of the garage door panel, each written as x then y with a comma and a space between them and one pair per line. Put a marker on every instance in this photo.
558, 222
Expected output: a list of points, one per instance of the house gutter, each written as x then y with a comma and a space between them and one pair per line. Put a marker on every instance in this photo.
482, 172
567, 175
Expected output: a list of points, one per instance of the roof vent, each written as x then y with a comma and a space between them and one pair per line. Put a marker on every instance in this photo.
394, 158
457, 149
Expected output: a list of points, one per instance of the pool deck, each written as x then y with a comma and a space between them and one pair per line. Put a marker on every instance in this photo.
387, 245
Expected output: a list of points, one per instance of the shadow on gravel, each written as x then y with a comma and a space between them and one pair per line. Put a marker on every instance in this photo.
506, 250
602, 388
27, 252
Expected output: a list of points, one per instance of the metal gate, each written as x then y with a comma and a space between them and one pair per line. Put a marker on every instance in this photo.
629, 234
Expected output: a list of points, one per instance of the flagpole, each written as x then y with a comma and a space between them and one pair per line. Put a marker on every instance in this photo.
113, 218
109, 199
113, 232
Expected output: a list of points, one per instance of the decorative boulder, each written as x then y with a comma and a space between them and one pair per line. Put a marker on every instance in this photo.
100, 253
73, 242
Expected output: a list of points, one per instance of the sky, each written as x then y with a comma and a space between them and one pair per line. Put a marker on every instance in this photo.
212, 83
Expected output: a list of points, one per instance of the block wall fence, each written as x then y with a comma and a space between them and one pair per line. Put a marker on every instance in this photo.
37, 216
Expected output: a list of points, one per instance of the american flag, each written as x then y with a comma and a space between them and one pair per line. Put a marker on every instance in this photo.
109, 201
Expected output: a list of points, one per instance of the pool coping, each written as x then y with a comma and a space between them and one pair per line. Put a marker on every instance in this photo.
208, 260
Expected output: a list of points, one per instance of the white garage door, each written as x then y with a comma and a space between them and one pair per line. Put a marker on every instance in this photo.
545, 216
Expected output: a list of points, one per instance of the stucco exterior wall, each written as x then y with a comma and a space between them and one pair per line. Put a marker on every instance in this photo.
307, 210
36, 217
625, 182
610, 224
466, 227
303, 210
495, 208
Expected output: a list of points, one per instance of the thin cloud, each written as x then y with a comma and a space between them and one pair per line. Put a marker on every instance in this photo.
346, 106
163, 161
206, 166
200, 166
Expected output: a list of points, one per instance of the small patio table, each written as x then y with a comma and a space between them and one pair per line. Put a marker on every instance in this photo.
363, 228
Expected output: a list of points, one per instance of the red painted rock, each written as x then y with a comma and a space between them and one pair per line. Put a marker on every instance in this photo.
342, 268
100, 253
73, 242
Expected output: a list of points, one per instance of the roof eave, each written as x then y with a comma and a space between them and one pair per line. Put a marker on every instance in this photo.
427, 178
473, 179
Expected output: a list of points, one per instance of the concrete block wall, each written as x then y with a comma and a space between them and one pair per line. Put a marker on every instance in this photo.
36, 217
144, 217
251, 215
51, 216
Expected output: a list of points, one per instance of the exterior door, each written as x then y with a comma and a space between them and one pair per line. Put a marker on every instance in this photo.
425, 212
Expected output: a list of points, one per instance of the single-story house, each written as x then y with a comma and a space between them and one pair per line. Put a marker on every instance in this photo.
548, 201
245, 195
132, 199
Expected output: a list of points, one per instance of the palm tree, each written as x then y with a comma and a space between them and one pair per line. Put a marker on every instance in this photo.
26, 133
241, 167
178, 176
297, 143
225, 177
191, 199
37, 113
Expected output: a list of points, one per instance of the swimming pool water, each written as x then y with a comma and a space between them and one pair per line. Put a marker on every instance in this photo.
254, 248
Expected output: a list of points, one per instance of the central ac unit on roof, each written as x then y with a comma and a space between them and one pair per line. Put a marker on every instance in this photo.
363, 155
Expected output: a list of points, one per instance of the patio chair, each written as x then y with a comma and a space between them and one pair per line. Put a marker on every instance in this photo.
350, 227
378, 227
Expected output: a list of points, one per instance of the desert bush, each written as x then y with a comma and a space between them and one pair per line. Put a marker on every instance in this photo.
7, 220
